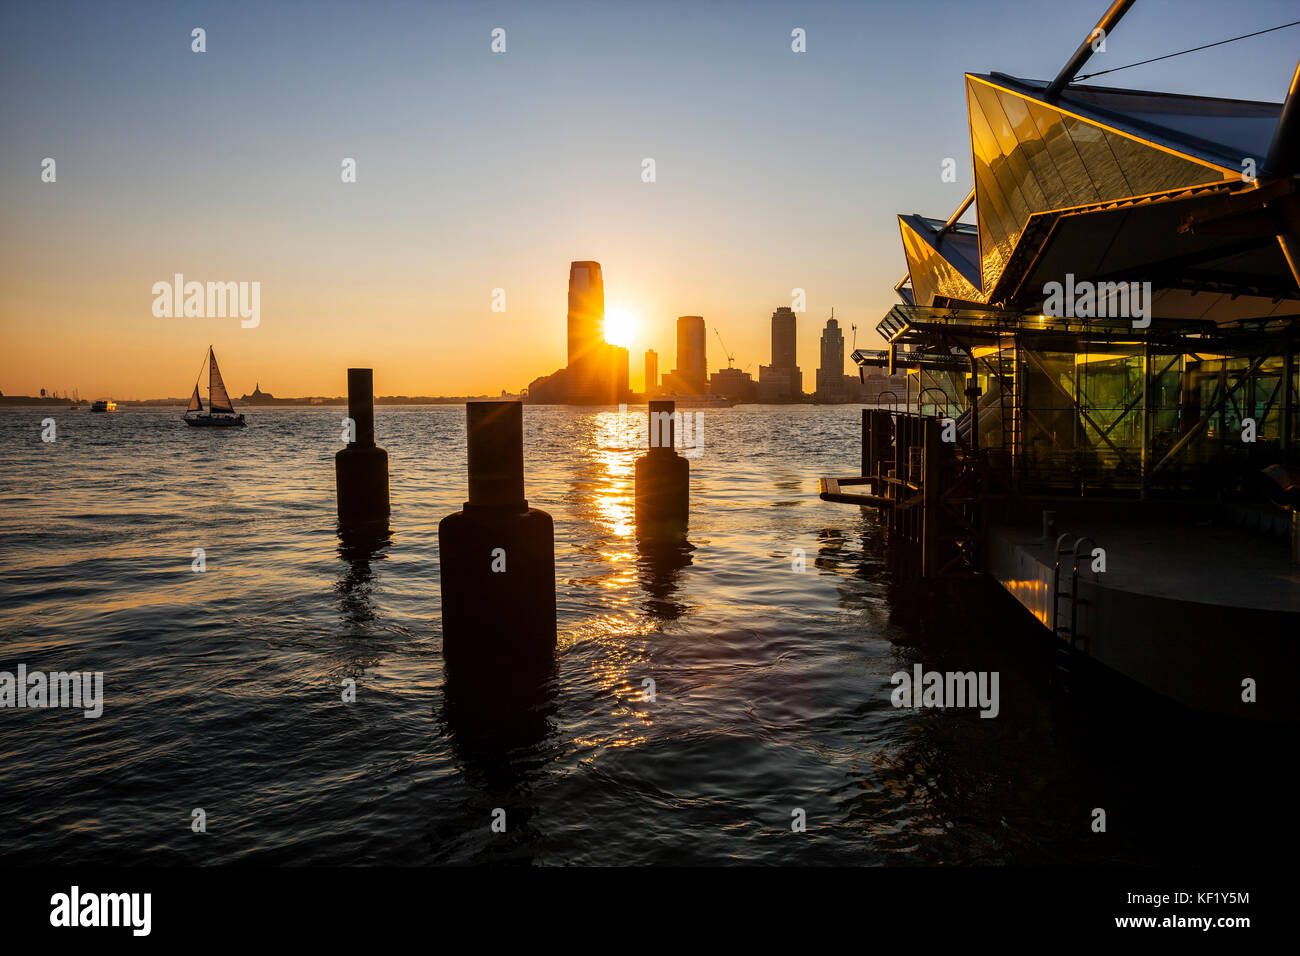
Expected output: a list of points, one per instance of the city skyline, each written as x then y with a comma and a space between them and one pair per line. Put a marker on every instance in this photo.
586, 340
232, 171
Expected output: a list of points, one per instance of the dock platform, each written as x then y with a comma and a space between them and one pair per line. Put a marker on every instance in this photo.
1188, 610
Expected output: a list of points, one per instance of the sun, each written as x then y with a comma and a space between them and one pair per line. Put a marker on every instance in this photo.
620, 327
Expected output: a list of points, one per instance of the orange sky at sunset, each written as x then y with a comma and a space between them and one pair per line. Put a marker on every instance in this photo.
476, 171
100, 337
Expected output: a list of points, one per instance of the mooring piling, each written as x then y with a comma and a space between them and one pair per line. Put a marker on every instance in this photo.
361, 468
497, 555
662, 481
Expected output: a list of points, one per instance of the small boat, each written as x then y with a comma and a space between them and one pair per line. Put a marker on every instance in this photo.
220, 413
104, 405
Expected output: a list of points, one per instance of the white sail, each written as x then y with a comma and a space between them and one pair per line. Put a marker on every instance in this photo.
218, 400
196, 403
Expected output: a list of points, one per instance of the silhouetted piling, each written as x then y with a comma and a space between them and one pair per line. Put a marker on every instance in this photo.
497, 555
361, 469
662, 482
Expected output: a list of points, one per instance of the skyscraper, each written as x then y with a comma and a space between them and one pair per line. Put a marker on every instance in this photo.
691, 376
588, 361
782, 381
651, 372
614, 383
597, 371
830, 375
783, 338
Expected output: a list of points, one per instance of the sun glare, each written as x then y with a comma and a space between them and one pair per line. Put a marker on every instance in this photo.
620, 327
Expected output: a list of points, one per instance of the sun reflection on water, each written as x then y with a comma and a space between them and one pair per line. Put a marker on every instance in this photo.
612, 495
610, 444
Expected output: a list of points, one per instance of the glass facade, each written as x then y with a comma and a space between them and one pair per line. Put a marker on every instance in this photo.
1032, 158
1066, 409
1123, 417
931, 273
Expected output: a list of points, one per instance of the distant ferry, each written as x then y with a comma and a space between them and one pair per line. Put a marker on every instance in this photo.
699, 401
220, 413
104, 405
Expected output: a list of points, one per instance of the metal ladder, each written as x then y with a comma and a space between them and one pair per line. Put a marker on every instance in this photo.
1064, 653
1003, 366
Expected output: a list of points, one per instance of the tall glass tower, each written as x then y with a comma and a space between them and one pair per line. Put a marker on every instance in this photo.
588, 368
692, 371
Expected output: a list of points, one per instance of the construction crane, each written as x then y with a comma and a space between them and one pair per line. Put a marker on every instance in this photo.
731, 359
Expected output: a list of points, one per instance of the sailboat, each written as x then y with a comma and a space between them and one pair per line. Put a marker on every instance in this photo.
220, 413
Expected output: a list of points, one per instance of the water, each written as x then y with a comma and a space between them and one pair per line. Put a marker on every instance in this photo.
223, 688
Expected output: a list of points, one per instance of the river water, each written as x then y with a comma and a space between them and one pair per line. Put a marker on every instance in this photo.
771, 681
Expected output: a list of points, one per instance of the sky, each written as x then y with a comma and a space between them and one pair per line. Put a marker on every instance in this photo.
478, 171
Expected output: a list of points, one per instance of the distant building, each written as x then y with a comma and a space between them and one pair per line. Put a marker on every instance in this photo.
597, 372
651, 373
782, 381
779, 386
615, 379
734, 384
586, 333
784, 327
257, 396
690, 377
833, 386
550, 389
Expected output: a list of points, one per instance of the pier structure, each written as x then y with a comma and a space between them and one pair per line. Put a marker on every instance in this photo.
497, 557
361, 467
662, 491
1113, 339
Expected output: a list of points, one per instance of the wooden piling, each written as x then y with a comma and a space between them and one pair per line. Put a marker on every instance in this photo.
361, 468
497, 555
662, 482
